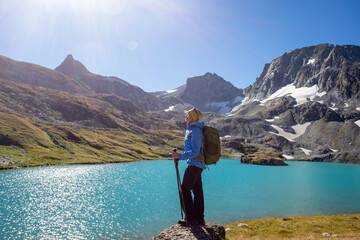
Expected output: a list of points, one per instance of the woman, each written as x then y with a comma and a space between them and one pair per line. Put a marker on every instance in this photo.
194, 142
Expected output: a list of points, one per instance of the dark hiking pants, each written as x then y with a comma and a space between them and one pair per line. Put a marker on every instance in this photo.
194, 209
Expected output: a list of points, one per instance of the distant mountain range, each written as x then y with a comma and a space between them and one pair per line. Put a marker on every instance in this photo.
304, 106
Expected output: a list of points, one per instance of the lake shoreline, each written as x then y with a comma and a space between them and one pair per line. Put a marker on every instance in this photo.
16, 167
4, 168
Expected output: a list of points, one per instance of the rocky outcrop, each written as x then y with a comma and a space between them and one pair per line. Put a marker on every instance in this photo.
269, 162
210, 231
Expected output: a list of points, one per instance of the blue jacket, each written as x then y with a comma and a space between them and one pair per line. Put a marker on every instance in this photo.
193, 145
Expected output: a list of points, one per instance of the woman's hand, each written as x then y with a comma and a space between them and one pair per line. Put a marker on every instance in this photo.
175, 156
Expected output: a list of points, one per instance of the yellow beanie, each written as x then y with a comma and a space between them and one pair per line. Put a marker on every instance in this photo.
195, 114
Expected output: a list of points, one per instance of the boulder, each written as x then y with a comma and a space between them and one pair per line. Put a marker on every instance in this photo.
211, 231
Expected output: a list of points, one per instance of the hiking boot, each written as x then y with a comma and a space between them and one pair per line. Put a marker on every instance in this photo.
193, 222
182, 222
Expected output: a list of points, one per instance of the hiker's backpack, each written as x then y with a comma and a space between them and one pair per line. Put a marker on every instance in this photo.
211, 148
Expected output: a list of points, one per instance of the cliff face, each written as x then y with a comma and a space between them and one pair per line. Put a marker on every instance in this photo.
334, 69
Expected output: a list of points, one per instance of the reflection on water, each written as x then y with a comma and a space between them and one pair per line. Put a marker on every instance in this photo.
138, 200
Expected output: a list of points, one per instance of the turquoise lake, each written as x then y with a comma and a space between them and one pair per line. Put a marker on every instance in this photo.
138, 200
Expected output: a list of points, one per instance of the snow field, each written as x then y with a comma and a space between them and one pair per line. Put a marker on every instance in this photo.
300, 94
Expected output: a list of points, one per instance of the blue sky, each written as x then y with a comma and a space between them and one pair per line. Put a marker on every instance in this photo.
158, 44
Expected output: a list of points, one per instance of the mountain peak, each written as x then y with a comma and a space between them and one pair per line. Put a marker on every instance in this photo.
72, 68
69, 57
334, 70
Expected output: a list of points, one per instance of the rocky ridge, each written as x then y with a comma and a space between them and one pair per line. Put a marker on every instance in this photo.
110, 85
36, 75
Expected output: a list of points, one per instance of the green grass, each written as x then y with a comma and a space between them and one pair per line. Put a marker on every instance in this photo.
262, 155
225, 154
27, 143
345, 226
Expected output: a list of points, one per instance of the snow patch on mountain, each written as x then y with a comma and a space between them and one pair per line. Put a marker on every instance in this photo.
288, 157
169, 109
222, 105
357, 123
282, 133
311, 61
171, 91
299, 130
238, 99
226, 136
358, 109
306, 151
302, 95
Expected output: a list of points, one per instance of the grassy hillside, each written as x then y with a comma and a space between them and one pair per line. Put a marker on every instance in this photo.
345, 226
25, 142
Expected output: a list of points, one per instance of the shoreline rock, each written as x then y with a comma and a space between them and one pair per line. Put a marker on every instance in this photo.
268, 162
211, 231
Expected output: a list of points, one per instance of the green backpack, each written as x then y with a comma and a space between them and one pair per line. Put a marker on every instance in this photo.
211, 148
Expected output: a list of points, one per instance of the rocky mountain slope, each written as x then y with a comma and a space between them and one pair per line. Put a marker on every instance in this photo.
333, 69
209, 93
305, 104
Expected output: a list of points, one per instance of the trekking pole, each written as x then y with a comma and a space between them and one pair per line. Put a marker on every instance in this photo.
181, 197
